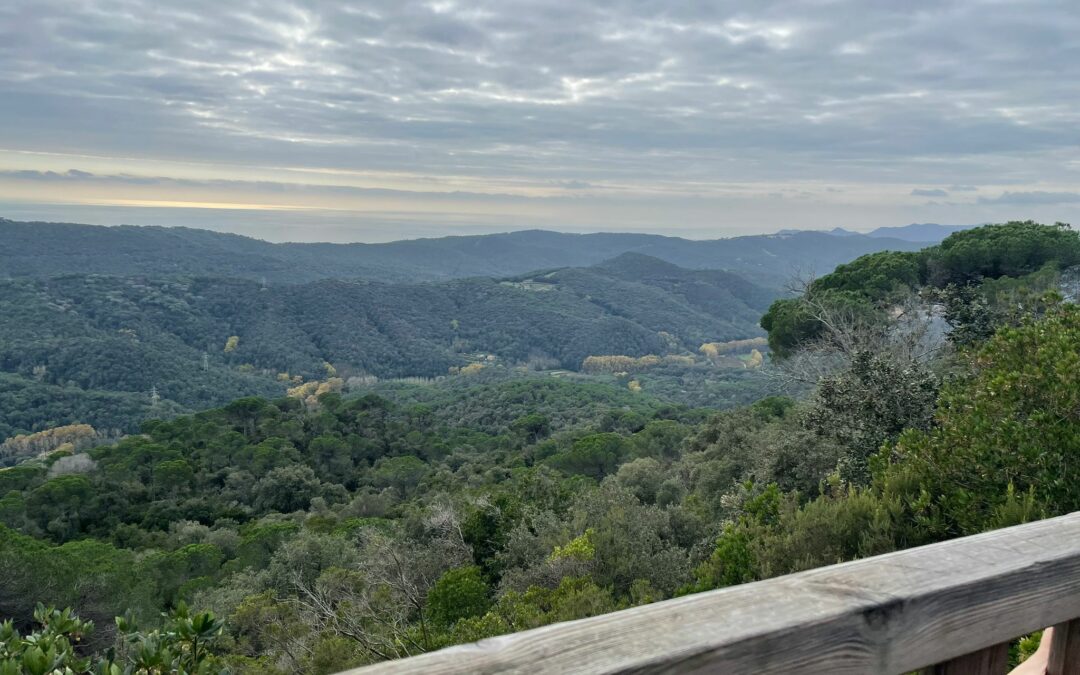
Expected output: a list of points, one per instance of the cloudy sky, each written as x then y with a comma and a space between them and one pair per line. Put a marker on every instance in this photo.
375, 120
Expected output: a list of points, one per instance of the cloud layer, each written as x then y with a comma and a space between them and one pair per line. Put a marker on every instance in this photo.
867, 109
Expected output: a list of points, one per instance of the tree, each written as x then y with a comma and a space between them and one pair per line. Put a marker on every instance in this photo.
869, 403
403, 473
532, 427
871, 284
1009, 249
642, 477
458, 594
173, 476
755, 360
876, 276
789, 323
61, 503
1012, 428
79, 436
968, 313
594, 456
287, 489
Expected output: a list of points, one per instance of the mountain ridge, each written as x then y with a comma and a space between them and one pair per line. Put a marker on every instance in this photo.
38, 249
920, 233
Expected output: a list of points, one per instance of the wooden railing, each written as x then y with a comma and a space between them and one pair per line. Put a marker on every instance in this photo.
949, 608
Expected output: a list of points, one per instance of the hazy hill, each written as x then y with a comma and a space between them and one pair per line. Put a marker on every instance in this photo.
930, 233
51, 249
134, 334
922, 233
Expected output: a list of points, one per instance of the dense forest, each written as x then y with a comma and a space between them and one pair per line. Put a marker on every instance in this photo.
105, 345
934, 394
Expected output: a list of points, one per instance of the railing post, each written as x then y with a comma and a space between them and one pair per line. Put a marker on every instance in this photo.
990, 661
1065, 649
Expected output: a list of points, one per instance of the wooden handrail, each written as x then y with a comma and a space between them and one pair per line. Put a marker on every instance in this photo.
893, 613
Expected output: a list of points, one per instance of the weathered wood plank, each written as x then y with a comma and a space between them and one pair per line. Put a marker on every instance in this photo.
990, 661
1065, 649
890, 614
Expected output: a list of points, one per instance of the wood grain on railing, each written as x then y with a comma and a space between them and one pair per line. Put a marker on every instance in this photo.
947, 603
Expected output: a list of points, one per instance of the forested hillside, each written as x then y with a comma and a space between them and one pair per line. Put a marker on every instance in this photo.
313, 533
970, 275
493, 398
201, 342
50, 249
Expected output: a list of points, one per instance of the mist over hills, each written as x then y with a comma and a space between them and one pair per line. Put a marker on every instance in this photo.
37, 249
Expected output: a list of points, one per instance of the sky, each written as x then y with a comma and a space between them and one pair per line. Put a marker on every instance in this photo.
360, 120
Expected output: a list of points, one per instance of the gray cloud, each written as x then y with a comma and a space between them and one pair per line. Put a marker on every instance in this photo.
565, 94
1033, 198
263, 187
48, 176
576, 185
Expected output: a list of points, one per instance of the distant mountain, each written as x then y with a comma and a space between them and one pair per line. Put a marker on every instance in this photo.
836, 232
92, 337
51, 249
930, 233
921, 233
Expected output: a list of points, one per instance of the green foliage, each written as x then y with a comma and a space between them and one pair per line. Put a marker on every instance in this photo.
579, 549
876, 276
99, 580
974, 311
594, 456
873, 401
183, 645
275, 497
30, 405
201, 342
1011, 249
574, 598
1012, 425
51, 648
867, 286
499, 400
1024, 648
789, 323
732, 561
460, 593
968, 312
341, 530
533, 426
998, 452
402, 473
